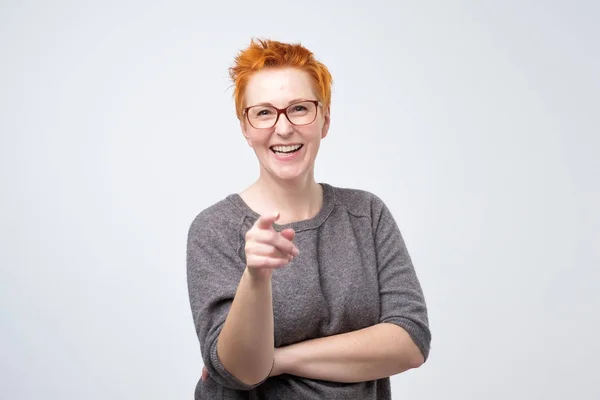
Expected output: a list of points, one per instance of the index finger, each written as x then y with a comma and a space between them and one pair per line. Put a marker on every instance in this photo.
267, 221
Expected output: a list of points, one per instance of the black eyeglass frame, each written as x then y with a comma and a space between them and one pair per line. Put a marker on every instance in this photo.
280, 111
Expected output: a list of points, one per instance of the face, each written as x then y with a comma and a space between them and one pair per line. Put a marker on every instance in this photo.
285, 151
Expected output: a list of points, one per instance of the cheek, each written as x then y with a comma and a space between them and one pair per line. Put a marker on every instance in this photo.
315, 132
257, 139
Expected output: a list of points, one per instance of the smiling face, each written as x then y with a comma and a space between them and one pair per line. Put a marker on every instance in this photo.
285, 151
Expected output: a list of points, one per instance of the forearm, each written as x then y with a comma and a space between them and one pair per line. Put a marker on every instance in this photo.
246, 344
368, 354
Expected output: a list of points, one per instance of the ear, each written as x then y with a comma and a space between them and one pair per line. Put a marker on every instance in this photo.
245, 132
327, 121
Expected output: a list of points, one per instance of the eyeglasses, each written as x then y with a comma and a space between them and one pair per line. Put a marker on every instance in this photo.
298, 113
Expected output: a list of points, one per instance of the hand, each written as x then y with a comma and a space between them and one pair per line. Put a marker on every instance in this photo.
267, 249
204, 374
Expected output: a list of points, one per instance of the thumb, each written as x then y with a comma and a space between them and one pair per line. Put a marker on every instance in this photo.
289, 234
267, 221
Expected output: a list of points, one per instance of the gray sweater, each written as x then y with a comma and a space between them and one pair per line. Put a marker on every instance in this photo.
353, 271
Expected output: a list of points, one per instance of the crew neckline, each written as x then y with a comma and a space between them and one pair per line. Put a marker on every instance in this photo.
306, 224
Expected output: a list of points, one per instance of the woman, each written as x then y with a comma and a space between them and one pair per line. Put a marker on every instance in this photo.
299, 289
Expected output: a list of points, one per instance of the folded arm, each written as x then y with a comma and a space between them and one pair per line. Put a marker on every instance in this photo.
368, 354
399, 342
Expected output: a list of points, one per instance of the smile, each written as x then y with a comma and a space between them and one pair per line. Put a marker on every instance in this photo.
286, 149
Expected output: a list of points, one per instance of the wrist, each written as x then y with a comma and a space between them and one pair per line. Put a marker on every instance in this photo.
258, 275
283, 361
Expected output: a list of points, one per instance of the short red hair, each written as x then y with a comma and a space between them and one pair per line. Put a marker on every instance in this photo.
273, 54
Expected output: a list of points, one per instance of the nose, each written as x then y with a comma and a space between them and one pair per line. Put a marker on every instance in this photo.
283, 127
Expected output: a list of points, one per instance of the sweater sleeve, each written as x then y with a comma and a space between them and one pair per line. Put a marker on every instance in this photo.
214, 270
402, 299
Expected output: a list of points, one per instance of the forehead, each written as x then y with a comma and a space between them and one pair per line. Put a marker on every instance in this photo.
279, 86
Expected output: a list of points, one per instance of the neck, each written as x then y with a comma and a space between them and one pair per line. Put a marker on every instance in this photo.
296, 200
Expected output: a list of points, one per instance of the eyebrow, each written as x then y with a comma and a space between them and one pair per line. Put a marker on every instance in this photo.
270, 104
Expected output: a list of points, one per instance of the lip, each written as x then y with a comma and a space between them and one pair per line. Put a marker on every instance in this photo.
285, 144
287, 157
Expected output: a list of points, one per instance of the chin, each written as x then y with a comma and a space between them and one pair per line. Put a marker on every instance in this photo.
290, 175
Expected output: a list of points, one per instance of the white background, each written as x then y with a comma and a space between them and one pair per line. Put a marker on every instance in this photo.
477, 122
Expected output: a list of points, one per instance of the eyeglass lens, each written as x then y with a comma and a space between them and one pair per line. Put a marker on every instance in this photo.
301, 113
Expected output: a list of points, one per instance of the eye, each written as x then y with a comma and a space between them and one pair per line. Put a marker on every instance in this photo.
298, 109
262, 112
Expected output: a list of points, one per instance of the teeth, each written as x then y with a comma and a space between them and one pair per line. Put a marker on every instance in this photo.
286, 149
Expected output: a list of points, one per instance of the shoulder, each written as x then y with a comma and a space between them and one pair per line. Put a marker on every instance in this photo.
359, 202
221, 219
